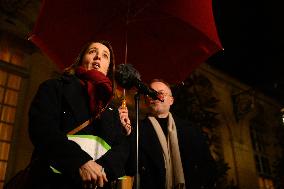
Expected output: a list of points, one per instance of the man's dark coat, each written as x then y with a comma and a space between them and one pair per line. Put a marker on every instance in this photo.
198, 165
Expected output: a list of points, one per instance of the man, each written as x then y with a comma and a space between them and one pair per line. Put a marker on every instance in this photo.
172, 153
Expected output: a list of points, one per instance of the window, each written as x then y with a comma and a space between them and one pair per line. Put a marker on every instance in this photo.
13, 69
9, 89
262, 162
265, 183
12, 56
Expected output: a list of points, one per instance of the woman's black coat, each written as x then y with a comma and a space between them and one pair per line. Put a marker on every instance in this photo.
59, 106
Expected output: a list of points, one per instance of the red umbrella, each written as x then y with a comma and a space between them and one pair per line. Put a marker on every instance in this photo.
165, 39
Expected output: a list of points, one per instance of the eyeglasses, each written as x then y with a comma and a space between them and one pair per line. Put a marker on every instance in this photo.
163, 94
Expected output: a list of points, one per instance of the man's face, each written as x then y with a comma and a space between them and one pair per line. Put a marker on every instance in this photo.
97, 57
158, 108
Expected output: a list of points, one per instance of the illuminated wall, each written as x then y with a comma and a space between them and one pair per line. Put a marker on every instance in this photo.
21, 70
248, 128
10, 86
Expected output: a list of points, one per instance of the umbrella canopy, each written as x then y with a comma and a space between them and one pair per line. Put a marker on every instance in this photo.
165, 39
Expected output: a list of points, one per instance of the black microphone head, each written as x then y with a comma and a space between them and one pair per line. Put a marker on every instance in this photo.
125, 75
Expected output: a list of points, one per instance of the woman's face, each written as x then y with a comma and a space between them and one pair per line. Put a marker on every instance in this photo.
97, 57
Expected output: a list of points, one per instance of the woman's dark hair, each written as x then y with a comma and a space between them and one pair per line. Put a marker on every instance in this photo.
78, 61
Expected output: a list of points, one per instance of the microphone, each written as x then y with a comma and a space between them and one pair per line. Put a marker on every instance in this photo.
127, 77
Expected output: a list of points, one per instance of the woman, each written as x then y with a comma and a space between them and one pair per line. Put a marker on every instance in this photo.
83, 93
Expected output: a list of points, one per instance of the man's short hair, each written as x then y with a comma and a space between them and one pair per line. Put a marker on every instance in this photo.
162, 81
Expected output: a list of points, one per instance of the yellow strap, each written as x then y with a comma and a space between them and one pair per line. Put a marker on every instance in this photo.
80, 127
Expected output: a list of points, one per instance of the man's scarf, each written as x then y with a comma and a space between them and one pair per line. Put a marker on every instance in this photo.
98, 86
171, 153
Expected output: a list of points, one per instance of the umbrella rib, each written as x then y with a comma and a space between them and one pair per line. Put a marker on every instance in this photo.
139, 11
151, 19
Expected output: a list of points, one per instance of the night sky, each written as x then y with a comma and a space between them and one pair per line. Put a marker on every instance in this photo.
252, 35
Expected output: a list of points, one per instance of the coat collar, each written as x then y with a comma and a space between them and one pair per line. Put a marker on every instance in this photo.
76, 96
150, 142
